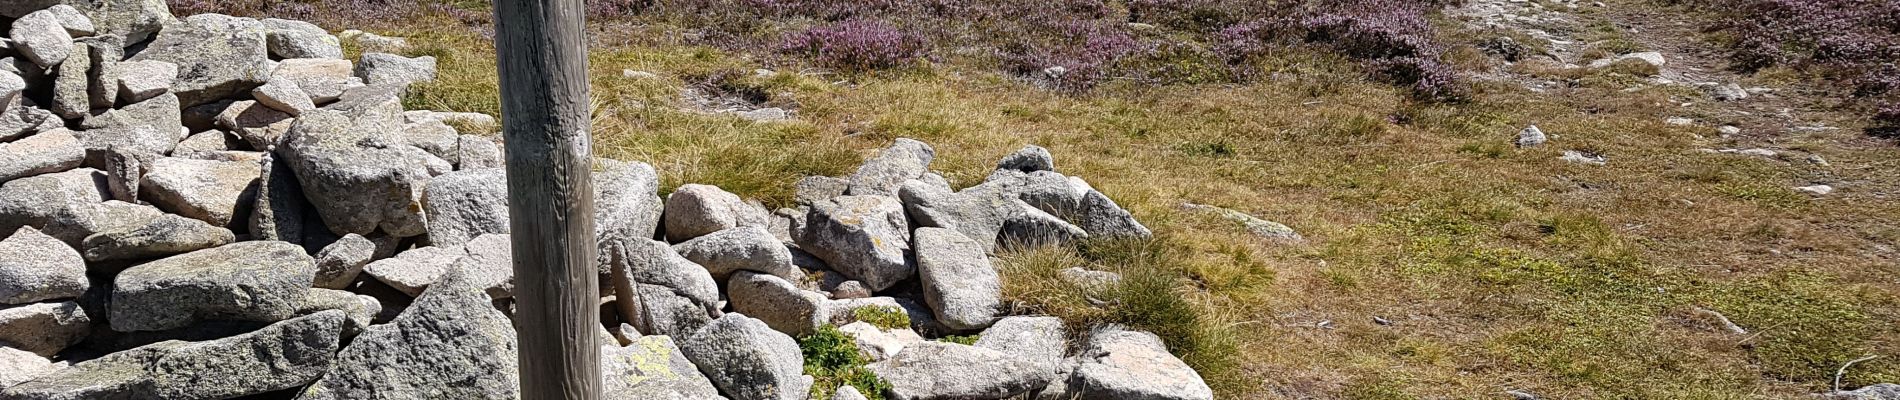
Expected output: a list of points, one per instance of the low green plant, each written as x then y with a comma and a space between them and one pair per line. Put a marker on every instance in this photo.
883, 317
832, 358
966, 340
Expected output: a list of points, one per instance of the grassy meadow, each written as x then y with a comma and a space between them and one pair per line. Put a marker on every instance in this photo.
1439, 261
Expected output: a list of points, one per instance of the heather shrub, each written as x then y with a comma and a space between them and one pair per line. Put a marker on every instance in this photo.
1069, 55
1853, 42
1887, 121
1392, 39
855, 45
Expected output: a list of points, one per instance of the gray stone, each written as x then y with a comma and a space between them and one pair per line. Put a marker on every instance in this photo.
651, 368
135, 20
786, 224
936, 180
39, 37
414, 270
648, 261
1647, 57
850, 290
36, 267
124, 170
1259, 227
47, 152
121, 375
781, 305
1088, 279
385, 68
361, 309
40, 200
19, 118
205, 145
1060, 387
1878, 391
490, 265
464, 204
259, 125
958, 280
865, 237
475, 152
980, 212
10, 87
323, 79
813, 189
878, 344
339, 263
1124, 364
1726, 92
105, 53
1530, 137
153, 126
1030, 158
245, 281
20, 366
281, 209
451, 343
747, 360
1030, 227
76, 23
70, 99
940, 370
160, 236
1040, 340
1582, 157
694, 210
882, 175
847, 392
626, 199
219, 192
356, 173
659, 310
767, 114
299, 39
748, 248
435, 137
370, 42
218, 56
204, 117
460, 120
43, 328
141, 80
281, 356
1071, 199
283, 95
76, 222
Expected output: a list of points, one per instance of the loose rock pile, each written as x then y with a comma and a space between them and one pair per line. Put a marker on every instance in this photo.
215, 207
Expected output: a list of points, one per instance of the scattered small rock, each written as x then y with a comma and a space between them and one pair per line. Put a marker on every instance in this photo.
1530, 137
1583, 157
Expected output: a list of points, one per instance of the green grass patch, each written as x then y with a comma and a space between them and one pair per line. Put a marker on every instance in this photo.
883, 317
833, 359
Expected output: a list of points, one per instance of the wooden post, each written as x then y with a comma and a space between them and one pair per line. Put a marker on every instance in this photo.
540, 47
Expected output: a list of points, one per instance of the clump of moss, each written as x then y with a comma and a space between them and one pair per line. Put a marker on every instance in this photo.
966, 340
833, 359
883, 317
